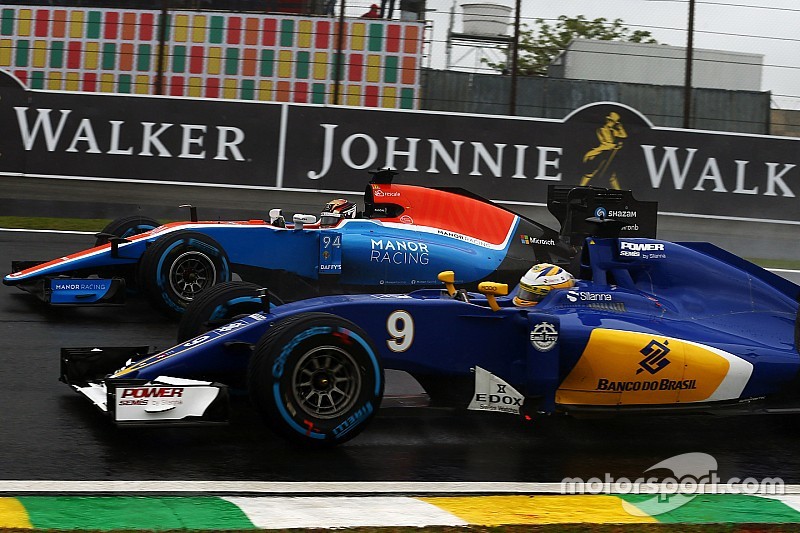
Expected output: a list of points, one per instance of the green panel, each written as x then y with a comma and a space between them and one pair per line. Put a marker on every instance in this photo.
407, 98
56, 54
37, 79
167, 20
109, 56
143, 58
709, 508
287, 32
318, 93
132, 513
21, 59
232, 61
215, 30
93, 23
7, 22
124, 84
248, 90
267, 62
390, 69
178, 59
375, 43
303, 59
338, 62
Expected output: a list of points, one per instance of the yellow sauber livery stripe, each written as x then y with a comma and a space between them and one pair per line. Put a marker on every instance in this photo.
630, 368
13, 514
502, 510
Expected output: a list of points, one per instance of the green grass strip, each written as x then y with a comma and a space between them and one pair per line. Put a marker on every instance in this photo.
716, 508
134, 513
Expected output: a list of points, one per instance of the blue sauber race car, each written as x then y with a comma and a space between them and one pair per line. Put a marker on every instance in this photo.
649, 326
404, 237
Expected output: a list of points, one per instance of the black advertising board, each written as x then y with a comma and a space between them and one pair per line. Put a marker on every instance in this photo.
308, 147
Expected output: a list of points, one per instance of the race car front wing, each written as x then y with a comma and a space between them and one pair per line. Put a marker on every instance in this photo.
136, 402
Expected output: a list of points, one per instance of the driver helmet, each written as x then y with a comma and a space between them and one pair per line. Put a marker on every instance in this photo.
537, 282
336, 210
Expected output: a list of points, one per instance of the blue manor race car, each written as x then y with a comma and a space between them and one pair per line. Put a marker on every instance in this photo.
403, 239
649, 325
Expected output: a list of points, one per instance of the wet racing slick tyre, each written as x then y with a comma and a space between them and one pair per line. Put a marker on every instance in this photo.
316, 379
219, 305
178, 268
127, 227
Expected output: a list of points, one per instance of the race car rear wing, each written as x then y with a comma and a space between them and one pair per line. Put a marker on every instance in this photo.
597, 212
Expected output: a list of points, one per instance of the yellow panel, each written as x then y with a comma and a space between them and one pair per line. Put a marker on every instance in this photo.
107, 83
76, 24
142, 84
265, 90
13, 515
373, 68
353, 95
196, 87
90, 56
357, 30
54, 81
229, 89
506, 510
39, 54
389, 97
305, 30
6, 46
213, 61
181, 28
627, 368
199, 29
73, 82
24, 18
320, 66
285, 64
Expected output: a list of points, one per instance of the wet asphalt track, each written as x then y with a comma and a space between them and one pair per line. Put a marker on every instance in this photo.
47, 432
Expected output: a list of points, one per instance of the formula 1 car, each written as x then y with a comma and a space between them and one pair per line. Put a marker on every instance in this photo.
403, 239
650, 326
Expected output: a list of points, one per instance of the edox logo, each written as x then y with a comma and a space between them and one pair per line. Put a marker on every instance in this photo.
655, 357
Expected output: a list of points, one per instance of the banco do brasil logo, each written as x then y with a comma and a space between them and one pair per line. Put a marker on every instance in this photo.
655, 357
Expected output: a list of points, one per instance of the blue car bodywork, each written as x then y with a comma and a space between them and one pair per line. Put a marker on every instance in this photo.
650, 326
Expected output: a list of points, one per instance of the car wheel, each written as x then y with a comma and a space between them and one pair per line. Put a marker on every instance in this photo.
178, 268
127, 227
219, 305
316, 379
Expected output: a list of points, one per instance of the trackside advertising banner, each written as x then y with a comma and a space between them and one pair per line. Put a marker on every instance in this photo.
273, 145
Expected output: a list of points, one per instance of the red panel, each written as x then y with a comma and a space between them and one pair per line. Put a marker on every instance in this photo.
176, 86
448, 211
393, 33
323, 34
301, 92
356, 70
74, 55
90, 82
111, 25
268, 32
22, 75
40, 26
212, 88
234, 30
371, 96
146, 27
196, 60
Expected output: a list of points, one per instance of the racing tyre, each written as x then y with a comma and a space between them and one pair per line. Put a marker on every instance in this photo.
219, 305
127, 226
177, 268
316, 379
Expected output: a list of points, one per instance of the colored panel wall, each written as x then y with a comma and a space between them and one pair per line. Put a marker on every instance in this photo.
214, 55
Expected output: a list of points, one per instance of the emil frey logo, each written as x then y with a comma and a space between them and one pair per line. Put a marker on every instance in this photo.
655, 357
